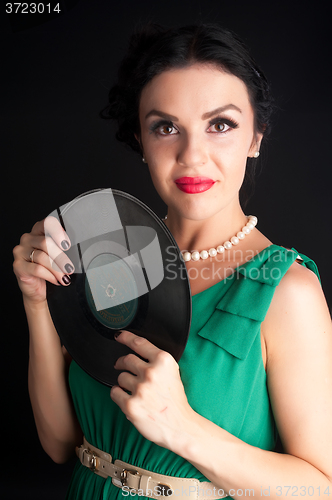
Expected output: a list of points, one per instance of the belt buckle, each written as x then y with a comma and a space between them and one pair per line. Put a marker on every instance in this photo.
164, 490
124, 475
92, 459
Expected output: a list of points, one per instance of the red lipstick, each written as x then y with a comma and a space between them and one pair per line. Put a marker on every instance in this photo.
193, 185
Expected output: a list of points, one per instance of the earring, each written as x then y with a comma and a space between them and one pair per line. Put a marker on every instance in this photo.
256, 155
143, 159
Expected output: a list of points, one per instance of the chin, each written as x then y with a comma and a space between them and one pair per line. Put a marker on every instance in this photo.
198, 214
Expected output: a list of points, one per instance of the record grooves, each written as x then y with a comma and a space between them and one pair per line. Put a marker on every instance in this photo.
129, 274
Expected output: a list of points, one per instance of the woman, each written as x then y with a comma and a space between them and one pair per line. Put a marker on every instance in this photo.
257, 364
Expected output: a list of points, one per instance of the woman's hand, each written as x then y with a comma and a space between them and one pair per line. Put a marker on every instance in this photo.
157, 406
47, 241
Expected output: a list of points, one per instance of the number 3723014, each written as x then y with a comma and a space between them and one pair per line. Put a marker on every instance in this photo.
32, 8
302, 491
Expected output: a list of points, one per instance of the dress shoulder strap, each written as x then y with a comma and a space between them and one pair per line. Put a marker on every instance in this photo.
252, 290
307, 262
236, 321
270, 265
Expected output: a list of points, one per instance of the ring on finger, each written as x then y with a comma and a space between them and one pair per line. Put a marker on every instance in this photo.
31, 255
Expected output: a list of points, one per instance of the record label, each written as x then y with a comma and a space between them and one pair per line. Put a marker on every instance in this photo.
111, 285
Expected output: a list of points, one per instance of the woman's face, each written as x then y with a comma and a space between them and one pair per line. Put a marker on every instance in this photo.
197, 126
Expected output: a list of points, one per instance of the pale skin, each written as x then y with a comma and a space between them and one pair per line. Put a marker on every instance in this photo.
296, 336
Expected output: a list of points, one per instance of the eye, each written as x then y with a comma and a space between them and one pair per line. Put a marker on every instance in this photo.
166, 129
163, 128
222, 125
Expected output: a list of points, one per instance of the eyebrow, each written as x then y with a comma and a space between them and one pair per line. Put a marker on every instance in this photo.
205, 116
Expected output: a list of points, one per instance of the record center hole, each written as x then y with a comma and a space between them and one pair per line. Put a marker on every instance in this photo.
110, 291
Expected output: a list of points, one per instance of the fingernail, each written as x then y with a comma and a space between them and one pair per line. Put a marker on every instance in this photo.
66, 279
117, 334
69, 268
65, 244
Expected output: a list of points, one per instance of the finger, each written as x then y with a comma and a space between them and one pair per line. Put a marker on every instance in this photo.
58, 260
130, 363
120, 397
27, 272
53, 228
23, 252
140, 345
43, 260
38, 228
127, 381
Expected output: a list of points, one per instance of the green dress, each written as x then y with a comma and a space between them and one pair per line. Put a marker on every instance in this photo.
221, 369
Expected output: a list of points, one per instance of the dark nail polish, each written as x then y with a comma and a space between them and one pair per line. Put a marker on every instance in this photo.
65, 244
69, 268
66, 279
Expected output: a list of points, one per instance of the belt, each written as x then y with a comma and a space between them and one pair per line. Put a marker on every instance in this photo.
144, 482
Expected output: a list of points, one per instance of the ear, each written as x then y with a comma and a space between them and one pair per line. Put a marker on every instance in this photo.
138, 139
256, 144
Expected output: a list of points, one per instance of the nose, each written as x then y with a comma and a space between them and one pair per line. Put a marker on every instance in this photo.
192, 152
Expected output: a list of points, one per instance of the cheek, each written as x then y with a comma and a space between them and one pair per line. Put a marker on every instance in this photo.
234, 176
231, 157
158, 175
160, 158
160, 149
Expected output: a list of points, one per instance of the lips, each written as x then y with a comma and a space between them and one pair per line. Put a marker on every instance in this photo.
193, 185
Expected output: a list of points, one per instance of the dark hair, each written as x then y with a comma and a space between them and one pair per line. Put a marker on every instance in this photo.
154, 49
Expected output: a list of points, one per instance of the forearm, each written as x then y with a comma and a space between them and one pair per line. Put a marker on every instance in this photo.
244, 470
50, 397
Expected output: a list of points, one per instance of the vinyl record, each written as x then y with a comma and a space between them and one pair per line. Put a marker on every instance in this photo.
129, 274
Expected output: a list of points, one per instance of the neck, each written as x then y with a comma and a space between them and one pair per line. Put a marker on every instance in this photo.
206, 233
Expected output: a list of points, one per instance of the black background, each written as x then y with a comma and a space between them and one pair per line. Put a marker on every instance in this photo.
56, 71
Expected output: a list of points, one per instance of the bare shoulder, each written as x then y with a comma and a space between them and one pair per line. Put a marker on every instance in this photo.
296, 278
298, 302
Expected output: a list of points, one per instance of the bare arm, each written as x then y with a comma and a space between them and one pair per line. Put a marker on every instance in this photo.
56, 422
55, 418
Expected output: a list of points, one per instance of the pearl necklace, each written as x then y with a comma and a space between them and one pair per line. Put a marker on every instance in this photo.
235, 240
